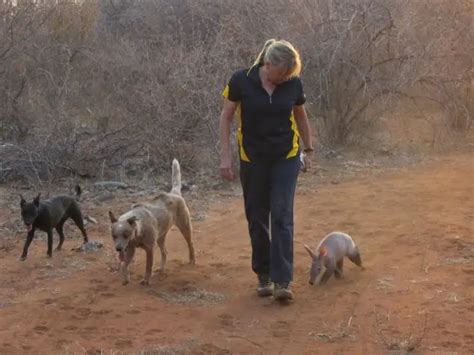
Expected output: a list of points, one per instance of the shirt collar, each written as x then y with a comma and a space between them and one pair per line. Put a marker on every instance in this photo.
252, 73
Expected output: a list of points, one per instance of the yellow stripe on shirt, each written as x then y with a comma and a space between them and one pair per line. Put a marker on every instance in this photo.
240, 137
296, 137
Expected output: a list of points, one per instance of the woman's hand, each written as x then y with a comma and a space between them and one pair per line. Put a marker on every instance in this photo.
306, 136
307, 161
226, 166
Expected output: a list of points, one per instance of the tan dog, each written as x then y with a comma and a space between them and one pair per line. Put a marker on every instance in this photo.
148, 223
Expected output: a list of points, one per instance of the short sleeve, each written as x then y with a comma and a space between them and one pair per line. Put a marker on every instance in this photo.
301, 97
232, 91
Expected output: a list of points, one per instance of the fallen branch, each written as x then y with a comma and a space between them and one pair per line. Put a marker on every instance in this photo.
111, 184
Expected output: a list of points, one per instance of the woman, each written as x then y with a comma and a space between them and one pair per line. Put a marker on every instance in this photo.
268, 99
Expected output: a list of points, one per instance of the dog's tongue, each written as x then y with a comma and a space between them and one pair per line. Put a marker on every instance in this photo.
121, 256
29, 227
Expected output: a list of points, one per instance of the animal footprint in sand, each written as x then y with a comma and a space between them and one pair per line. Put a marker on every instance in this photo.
123, 343
153, 331
71, 328
102, 312
107, 294
280, 329
40, 329
226, 319
219, 265
133, 311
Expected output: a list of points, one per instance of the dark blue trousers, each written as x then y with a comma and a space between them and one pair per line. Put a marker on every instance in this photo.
269, 191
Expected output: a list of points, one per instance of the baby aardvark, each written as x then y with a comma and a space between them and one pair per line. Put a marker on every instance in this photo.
330, 253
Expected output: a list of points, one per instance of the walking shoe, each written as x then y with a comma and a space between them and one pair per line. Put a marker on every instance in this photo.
264, 288
283, 291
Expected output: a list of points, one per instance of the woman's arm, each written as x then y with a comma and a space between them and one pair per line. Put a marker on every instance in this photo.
225, 124
304, 127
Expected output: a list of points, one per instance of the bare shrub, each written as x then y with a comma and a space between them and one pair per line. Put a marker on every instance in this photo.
105, 87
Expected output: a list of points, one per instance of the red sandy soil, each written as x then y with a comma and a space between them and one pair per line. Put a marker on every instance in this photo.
414, 226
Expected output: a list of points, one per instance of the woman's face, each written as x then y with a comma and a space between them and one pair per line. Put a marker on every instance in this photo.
276, 74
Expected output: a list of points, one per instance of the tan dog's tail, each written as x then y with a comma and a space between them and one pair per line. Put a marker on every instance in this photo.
176, 178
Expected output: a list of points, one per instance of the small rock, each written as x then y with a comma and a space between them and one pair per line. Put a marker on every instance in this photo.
90, 246
105, 196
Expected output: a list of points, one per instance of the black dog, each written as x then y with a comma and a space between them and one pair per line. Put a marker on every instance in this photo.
49, 214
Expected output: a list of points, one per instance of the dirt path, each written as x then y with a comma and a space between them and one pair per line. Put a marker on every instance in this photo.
415, 231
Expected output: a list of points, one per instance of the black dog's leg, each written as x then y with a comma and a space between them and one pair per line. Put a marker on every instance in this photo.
76, 216
50, 243
29, 239
59, 229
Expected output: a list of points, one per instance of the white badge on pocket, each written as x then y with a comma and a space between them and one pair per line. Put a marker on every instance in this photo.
302, 164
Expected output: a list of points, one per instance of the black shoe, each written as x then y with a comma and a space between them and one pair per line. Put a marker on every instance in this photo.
283, 291
264, 288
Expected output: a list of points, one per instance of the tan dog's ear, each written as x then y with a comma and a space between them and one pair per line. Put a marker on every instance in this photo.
112, 217
311, 254
132, 220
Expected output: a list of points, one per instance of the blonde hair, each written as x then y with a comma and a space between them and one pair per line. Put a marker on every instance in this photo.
280, 53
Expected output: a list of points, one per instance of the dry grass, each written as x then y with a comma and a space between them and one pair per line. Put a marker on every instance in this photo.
6, 244
342, 332
405, 344
191, 295
191, 346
